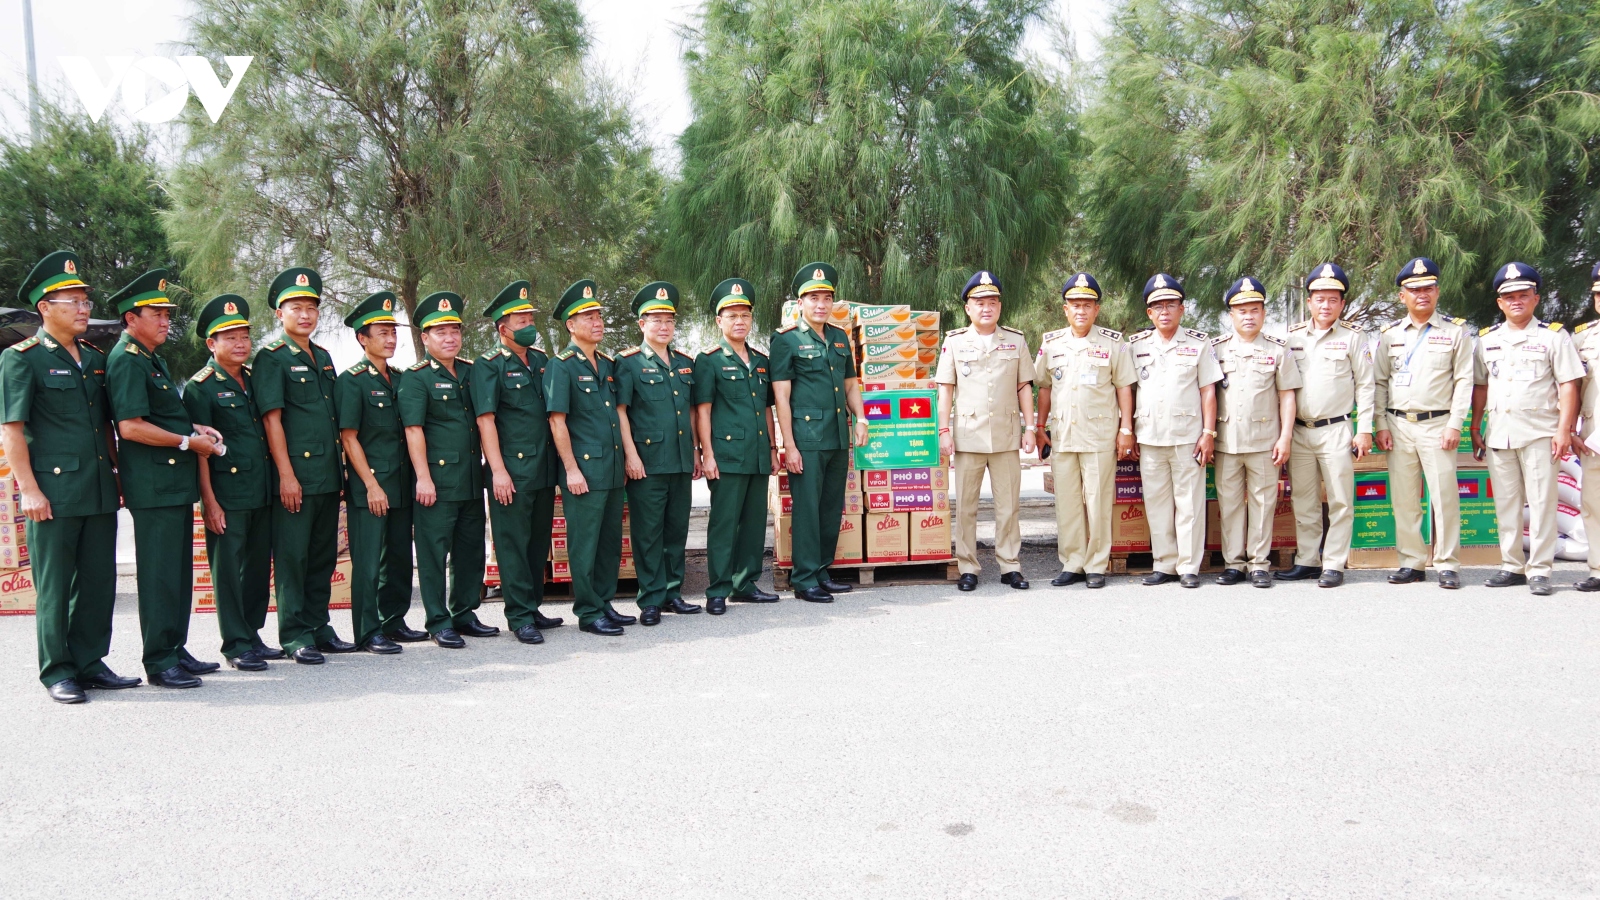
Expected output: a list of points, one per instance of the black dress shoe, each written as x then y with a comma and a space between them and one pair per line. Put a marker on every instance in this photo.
967, 582
1230, 576
194, 666
756, 595
447, 638
835, 587
1297, 573
1330, 578
262, 651
247, 661
381, 645
67, 691
1066, 578
475, 628
1094, 580
108, 681
493, 592
650, 615
529, 634
544, 621
308, 656
1014, 579
405, 634
1449, 580
716, 605
334, 645
814, 595
1260, 578
618, 618
677, 605
602, 626
1155, 578
1503, 578
1539, 586
1406, 576
175, 677
1189, 581
1588, 585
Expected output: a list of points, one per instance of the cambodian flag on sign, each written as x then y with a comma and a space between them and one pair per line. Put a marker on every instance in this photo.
915, 408
879, 409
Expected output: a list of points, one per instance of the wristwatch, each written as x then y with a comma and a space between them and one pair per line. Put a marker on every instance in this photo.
184, 444
1209, 432
1125, 431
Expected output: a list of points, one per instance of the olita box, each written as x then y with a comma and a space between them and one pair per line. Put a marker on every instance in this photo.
893, 333
930, 534
1130, 530
888, 536
851, 548
932, 477
17, 597
882, 315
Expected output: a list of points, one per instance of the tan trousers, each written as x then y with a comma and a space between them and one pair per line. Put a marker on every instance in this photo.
1526, 475
1247, 497
1005, 479
1320, 458
1591, 508
1086, 486
1175, 507
1416, 457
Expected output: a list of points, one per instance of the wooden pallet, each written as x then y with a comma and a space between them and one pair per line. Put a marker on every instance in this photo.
917, 571
1389, 558
1142, 563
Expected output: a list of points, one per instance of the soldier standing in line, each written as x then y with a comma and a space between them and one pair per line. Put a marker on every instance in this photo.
1587, 339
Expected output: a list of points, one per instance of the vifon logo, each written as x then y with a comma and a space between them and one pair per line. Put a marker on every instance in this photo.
174, 79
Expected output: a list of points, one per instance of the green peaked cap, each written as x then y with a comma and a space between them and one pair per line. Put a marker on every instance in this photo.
813, 277
657, 296
440, 308
221, 313
296, 282
514, 297
56, 272
582, 296
149, 289
377, 308
732, 292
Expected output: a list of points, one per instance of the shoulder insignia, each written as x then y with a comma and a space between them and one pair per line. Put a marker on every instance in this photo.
202, 375
1581, 328
1197, 335
464, 360
1484, 331
1395, 324
1220, 339
1140, 335
84, 343
1458, 321
274, 345
605, 356
130, 347
1275, 339
1010, 329
1300, 327
756, 350
29, 344
492, 354
955, 331
248, 369
1554, 326
711, 349
1052, 335
1350, 325
1113, 335
357, 369
418, 366
565, 354
678, 352
787, 328
631, 351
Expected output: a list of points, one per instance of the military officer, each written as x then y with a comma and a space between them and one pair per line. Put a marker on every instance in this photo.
235, 487
984, 378
1255, 428
581, 393
1085, 377
294, 380
1175, 422
378, 482
57, 438
1336, 378
158, 459
1528, 379
655, 397
435, 398
815, 392
1423, 373
520, 469
1587, 339
733, 412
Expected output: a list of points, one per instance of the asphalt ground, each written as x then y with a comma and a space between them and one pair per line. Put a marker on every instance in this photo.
1368, 741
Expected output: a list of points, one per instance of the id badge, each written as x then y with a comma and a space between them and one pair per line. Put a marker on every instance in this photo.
1402, 379
1089, 377
1521, 374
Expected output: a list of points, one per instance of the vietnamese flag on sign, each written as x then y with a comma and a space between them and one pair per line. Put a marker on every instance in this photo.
878, 409
915, 408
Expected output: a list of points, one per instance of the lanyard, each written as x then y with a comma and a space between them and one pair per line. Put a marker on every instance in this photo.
1406, 366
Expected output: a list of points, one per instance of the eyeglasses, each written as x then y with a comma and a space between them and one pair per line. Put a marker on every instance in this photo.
75, 304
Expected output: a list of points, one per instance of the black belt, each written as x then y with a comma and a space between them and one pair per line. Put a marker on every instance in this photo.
1321, 422
1419, 416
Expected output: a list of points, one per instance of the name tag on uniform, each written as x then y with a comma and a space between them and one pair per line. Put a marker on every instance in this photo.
1522, 374
649, 371
60, 371
1403, 379
224, 395
585, 377
443, 385
299, 369
1534, 349
1089, 377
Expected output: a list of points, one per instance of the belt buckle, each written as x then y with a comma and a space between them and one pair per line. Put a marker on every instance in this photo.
1411, 417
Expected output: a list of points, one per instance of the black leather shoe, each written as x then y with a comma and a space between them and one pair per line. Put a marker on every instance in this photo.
602, 626
194, 666
67, 691
405, 634
716, 605
650, 615
475, 628
1094, 580
1406, 576
835, 587
1588, 585
381, 645
447, 638
1539, 586
1449, 580
967, 582
334, 645
1230, 576
1014, 579
529, 634
262, 651
247, 661
308, 656
175, 677
1297, 573
1066, 578
1155, 578
814, 595
1330, 578
1260, 578
1503, 578
1189, 581
681, 607
544, 621
756, 595
618, 618
108, 681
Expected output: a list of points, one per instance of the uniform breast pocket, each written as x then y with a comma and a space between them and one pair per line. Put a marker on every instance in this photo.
303, 388
648, 442
57, 477
233, 414
230, 466
517, 393
809, 360
380, 411
60, 393
652, 386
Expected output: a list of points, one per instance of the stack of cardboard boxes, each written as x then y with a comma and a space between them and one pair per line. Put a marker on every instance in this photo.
898, 347
16, 578
560, 570
890, 515
1373, 538
203, 591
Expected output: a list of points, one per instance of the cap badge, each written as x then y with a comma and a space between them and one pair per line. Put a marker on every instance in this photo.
1512, 271
817, 274
588, 292
388, 305
661, 293
738, 290
444, 304
1083, 280
1327, 271
71, 268
1161, 281
983, 278
1419, 268
230, 308
522, 294
161, 285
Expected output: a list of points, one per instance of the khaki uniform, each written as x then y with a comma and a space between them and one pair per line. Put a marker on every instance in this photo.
1083, 375
1586, 338
1423, 376
1522, 369
986, 427
1248, 424
1336, 377
1167, 422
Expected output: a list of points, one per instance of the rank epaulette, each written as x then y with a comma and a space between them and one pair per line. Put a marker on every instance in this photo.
1554, 326
1113, 335
682, 354
1010, 329
131, 347
1197, 335
787, 328
1350, 325
419, 365
498, 351
1484, 331
1140, 335
712, 349
565, 354
357, 369
1581, 328
602, 355
274, 345
1221, 338
1454, 320
631, 351
202, 375
86, 344
1275, 339
1052, 335
1300, 327
1396, 323
28, 344
955, 331
463, 359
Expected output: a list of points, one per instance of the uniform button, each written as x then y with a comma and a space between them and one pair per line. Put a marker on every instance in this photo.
808, 418
373, 471
608, 402
728, 438
380, 406
647, 440
680, 433
308, 454
58, 470
586, 456
233, 471
519, 456
172, 462
674, 393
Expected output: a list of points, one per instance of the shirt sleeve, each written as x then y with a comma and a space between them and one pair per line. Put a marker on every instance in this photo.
705, 371
16, 386
1380, 382
1480, 369
347, 400
1461, 397
782, 359
1122, 373
485, 387
1024, 371
1566, 364
267, 379
557, 388
198, 403
412, 397
1041, 371
1210, 371
625, 370
1289, 372
1361, 365
945, 373
126, 389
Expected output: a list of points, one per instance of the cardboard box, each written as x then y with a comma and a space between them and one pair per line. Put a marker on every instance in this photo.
558, 548
882, 315
930, 535
1130, 532
1283, 534
905, 351
626, 570
902, 431
783, 540
1129, 490
1374, 514
908, 499
929, 340
12, 558
928, 356
903, 370
1479, 524
888, 536
893, 333
780, 504
853, 480
17, 597
779, 483
558, 525
905, 384
851, 548
841, 314
931, 477
1050, 480
13, 544
924, 372
925, 321
560, 572
854, 503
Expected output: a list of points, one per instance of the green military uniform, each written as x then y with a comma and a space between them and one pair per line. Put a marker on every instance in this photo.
740, 393
66, 415
586, 393
512, 388
380, 546
160, 485
241, 482
817, 366
440, 403
658, 395
305, 546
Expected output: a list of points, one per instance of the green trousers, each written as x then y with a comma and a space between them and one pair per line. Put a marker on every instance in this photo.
736, 534
453, 529
521, 546
658, 511
241, 566
818, 494
594, 545
305, 550
380, 570
74, 561
163, 541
